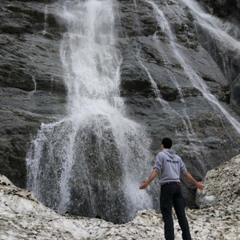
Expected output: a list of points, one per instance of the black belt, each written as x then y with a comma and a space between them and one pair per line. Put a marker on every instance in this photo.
171, 183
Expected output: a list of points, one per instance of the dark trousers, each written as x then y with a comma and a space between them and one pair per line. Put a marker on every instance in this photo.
171, 196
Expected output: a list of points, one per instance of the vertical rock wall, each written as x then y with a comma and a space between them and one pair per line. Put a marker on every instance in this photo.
31, 85
157, 92
162, 97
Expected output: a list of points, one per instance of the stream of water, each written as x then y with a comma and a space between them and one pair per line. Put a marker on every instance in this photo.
91, 162
195, 78
225, 36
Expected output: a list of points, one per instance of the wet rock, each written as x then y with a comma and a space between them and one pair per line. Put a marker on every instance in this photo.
161, 95
224, 9
31, 84
235, 97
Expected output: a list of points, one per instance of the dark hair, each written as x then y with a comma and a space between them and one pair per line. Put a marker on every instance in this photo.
167, 142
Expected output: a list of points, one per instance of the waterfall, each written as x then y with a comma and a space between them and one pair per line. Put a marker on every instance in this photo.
92, 161
224, 38
165, 105
193, 76
45, 25
167, 109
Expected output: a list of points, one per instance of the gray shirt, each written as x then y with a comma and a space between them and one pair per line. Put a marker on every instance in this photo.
170, 166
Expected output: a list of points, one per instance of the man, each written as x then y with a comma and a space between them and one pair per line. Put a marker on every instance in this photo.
170, 166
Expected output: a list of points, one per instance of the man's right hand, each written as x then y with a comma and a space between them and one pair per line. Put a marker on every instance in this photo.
147, 182
144, 185
199, 185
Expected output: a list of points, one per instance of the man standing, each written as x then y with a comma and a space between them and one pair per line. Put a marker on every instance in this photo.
170, 166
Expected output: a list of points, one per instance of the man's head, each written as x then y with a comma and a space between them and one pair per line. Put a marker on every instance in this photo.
167, 143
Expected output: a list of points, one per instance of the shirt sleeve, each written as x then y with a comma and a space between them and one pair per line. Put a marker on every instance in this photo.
158, 163
183, 168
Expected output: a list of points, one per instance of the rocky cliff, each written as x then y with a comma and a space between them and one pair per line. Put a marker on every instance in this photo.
179, 78
23, 217
32, 90
224, 9
174, 62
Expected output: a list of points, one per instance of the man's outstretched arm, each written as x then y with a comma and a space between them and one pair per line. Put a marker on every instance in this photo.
147, 182
190, 178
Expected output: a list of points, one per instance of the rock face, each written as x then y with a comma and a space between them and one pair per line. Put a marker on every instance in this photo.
23, 217
172, 67
177, 80
223, 9
31, 86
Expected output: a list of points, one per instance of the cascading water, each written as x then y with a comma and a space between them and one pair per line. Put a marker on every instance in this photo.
219, 38
195, 79
165, 105
167, 109
92, 161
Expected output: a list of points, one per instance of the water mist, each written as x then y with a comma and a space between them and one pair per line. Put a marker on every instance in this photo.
92, 161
